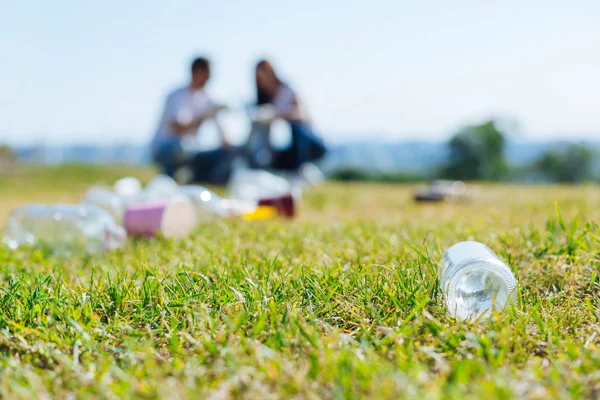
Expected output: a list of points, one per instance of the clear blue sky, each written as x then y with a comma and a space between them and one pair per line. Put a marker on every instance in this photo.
97, 72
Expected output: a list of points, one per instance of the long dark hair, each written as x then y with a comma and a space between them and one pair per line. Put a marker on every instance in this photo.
261, 96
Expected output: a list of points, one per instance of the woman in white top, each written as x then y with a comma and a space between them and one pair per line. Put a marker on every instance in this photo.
305, 145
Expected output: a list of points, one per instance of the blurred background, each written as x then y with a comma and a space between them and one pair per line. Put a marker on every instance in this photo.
400, 91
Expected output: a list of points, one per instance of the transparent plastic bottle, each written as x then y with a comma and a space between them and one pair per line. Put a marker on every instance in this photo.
161, 187
65, 228
207, 204
254, 185
106, 199
127, 188
474, 281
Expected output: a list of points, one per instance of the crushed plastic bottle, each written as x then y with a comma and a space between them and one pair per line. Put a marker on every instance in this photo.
106, 199
475, 281
65, 228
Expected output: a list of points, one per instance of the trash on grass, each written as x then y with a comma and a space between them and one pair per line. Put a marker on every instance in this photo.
161, 187
64, 227
107, 200
475, 281
263, 189
161, 208
260, 213
128, 188
208, 205
442, 190
172, 218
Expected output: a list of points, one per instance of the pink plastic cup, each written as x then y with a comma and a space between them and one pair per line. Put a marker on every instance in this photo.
173, 218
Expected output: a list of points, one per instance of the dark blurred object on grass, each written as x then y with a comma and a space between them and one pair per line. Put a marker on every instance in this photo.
442, 190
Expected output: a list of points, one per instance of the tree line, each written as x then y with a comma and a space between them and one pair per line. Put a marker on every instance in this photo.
477, 153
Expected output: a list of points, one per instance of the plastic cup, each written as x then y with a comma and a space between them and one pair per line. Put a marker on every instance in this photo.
285, 205
173, 218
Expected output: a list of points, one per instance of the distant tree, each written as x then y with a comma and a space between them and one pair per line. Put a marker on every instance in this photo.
568, 165
476, 153
359, 175
8, 160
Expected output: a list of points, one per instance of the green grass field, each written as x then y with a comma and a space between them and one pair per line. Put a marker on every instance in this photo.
342, 302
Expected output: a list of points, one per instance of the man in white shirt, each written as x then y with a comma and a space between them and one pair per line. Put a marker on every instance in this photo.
185, 110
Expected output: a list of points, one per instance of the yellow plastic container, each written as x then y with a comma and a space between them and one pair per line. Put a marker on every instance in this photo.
260, 213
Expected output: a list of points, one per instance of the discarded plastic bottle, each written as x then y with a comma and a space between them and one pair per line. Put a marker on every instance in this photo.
106, 199
264, 189
64, 227
474, 281
208, 204
161, 187
237, 208
254, 185
128, 188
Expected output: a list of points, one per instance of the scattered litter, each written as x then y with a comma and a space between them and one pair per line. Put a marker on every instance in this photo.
172, 218
106, 199
161, 187
127, 188
285, 205
253, 185
442, 190
208, 205
64, 227
475, 281
261, 212
162, 208
264, 189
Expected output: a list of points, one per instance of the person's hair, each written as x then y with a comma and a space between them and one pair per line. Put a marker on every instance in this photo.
261, 96
200, 63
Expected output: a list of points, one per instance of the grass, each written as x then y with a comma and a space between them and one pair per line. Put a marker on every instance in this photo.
341, 303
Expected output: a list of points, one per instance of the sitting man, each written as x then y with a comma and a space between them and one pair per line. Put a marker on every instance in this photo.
185, 110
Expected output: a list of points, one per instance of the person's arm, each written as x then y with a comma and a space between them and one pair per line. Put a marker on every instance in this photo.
222, 134
181, 125
294, 113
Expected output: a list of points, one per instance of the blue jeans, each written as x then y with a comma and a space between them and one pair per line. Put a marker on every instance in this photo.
212, 166
306, 146
170, 156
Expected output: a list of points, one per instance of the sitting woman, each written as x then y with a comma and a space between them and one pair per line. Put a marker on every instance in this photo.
276, 99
